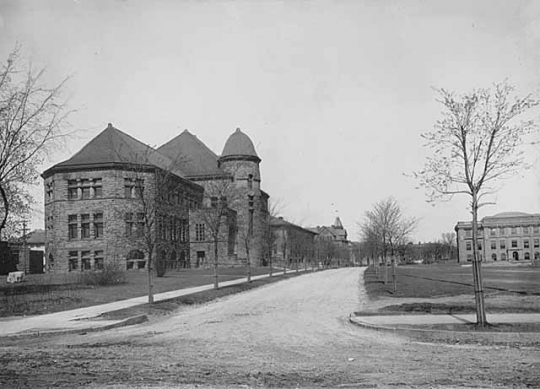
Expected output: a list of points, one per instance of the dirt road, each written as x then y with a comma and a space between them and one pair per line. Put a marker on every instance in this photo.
293, 333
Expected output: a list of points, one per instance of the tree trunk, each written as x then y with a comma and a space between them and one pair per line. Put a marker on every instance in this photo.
476, 268
6, 209
394, 280
150, 280
248, 266
216, 284
270, 262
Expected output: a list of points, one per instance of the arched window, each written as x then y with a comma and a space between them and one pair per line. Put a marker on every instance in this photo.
537, 255
135, 257
503, 256
494, 256
527, 256
250, 181
173, 256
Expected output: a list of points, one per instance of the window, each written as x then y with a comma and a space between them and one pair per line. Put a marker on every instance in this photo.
513, 230
479, 245
493, 244
73, 190
98, 260
493, 231
73, 260
503, 256
527, 256
526, 243
98, 225
468, 233
50, 190
536, 229
85, 226
85, 260
537, 255
85, 188
140, 224
469, 257
536, 243
494, 257
213, 202
502, 244
129, 223
501, 231
133, 187
468, 246
199, 232
72, 226
250, 201
514, 244
97, 188
526, 229
135, 257
250, 181
184, 230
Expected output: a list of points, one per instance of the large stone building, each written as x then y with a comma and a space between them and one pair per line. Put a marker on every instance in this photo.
103, 204
293, 245
505, 236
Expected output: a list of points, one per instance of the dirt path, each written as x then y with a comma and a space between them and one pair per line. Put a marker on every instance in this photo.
293, 333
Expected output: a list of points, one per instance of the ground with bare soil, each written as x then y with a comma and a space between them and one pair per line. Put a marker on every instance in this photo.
293, 333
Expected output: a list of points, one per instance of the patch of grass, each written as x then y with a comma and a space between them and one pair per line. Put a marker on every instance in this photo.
170, 305
437, 308
473, 327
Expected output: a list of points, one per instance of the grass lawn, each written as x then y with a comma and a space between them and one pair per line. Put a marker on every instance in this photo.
451, 279
46, 293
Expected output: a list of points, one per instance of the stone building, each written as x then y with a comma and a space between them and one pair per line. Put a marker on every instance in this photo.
508, 236
232, 183
292, 245
104, 203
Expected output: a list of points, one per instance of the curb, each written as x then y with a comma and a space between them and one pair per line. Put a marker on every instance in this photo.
82, 331
455, 336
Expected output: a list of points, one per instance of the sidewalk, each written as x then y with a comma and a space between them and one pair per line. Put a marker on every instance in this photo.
87, 319
394, 321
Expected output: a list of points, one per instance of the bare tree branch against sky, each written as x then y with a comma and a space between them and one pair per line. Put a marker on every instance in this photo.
334, 93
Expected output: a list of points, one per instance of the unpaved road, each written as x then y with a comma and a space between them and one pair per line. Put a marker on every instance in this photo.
293, 333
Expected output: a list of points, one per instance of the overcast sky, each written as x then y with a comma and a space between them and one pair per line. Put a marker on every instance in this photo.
334, 94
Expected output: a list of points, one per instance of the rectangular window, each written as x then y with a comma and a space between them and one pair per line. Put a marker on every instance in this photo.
73, 260
502, 231
128, 188
514, 244
85, 226
493, 245
98, 260
250, 201
468, 246
199, 232
513, 230
250, 181
536, 243
72, 226
50, 191
140, 224
502, 244
129, 224
493, 231
468, 233
525, 230
73, 190
184, 230
85, 260
98, 188
479, 245
98, 225
536, 229
133, 187
526, 244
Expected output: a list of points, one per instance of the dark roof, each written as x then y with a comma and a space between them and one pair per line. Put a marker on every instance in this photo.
36, 237
194, 156
280, 222
239, 144
113, 146
337, 223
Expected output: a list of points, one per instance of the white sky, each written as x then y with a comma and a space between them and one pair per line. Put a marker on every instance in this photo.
334, 94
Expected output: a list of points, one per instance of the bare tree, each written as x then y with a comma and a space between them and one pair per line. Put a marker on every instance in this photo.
221, 196
33, 121
449, 242
387, 225
476, 143
268, 233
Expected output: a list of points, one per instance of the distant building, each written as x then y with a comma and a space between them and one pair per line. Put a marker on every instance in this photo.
508, 236
332, 245
293, 245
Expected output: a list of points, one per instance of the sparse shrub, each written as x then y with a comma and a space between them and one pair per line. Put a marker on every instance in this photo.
161, 267
110, 275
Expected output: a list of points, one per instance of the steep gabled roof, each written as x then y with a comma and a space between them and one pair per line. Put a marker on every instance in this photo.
193, 155
114, 147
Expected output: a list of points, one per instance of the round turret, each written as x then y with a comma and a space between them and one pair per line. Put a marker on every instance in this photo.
239, 147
